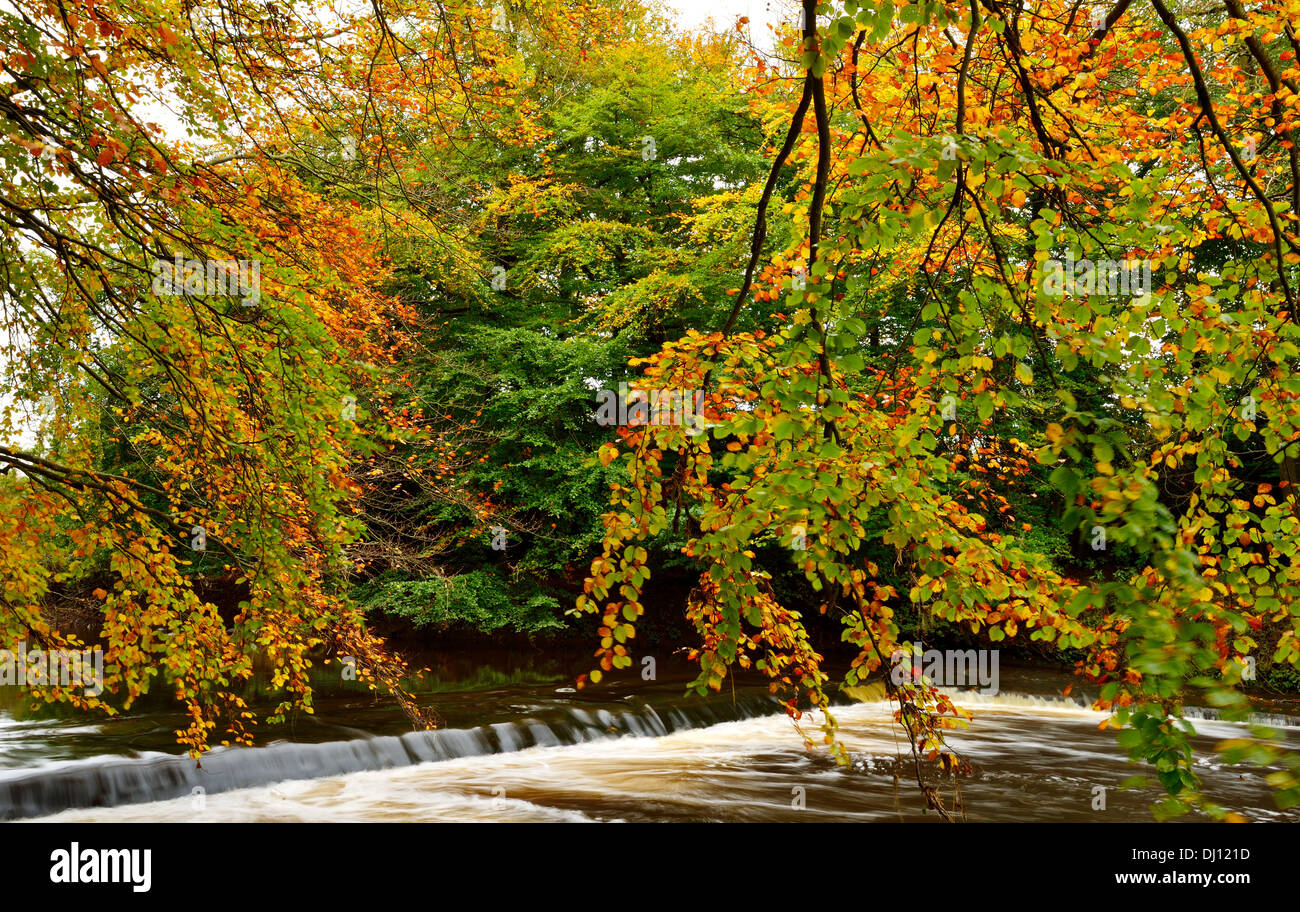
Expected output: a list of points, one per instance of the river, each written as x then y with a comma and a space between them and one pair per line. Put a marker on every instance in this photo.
527, 747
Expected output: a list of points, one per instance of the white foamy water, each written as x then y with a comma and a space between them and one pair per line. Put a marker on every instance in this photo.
1036, 758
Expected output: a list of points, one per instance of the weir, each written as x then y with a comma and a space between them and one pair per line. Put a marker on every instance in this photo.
640, 760
109, 782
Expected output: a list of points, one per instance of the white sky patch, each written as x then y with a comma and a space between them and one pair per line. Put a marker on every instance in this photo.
695, 14
26, 420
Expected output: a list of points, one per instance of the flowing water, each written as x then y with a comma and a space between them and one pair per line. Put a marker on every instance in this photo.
515, 749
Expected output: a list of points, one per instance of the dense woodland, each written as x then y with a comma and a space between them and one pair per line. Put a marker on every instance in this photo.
859, 238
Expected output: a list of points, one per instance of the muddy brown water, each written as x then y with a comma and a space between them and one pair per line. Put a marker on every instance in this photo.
524, 746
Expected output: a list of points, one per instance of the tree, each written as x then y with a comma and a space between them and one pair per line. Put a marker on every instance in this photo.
580, 248
951, 159
202, 323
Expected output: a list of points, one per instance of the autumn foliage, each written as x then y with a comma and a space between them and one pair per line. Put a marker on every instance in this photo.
851, 247
947, 155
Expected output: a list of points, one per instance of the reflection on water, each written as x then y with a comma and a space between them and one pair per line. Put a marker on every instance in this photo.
630, 752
